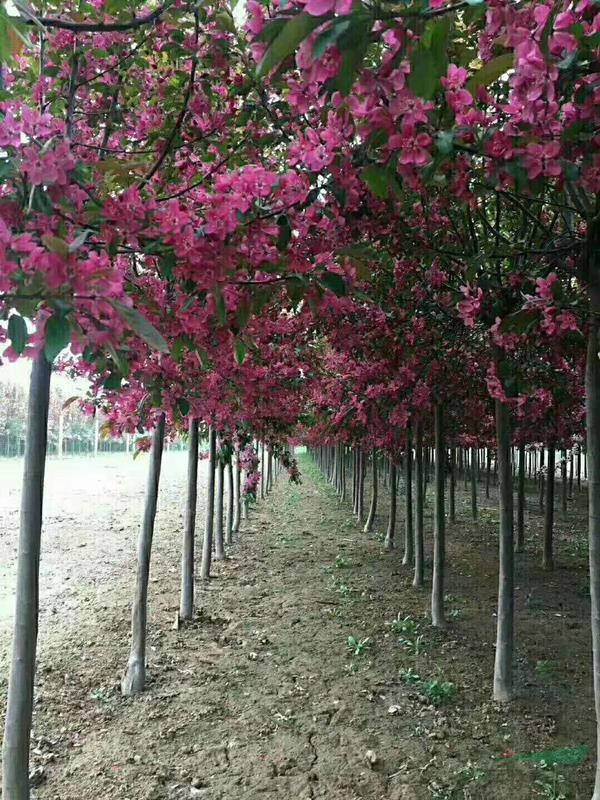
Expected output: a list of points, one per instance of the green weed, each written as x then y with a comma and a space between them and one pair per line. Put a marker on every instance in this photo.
359, 646
341, 562
438, 692
551, 785
405, 625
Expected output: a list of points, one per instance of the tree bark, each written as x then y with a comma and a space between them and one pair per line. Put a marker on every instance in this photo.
360, 503
419, 573
219, 491
563, 474
262, 471
134, 679
19, 707
238, 495
409, 541
210, 506
521, 501
474, 482
186, 604
548, 556
592, 384
438, 619
390, 534
229, 511
452, 484
503, 666
373, 507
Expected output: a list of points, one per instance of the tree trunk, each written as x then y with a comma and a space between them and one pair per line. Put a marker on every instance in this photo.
563, 474
542, 479
409, 548
592, 385
474, 482
419, 574
229, 512
360, 502
262, 471
488, 471
548, 557
439, 522
452, 484
220, 489
210, 506
373, 506
503, 670
238, 495
521, 501
186, 603
269, 471
135, 676
19, 708
390, 534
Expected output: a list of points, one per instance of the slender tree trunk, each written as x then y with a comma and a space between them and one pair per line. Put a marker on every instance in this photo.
262, 471
452, 500
419, 573
354, 480
488, 471
592, 384
503, 666
390, 535
19, 707
542, 479
360, 511
474, 482
238, 495
219, 491
135, 677
373, 506
548, 557
186, 602
269, 471
229, 511
343, 477
409, 534
571, 473
210, 506
439, 522
521, 501
563, 475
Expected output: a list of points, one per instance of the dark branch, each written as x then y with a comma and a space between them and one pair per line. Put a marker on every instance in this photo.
100, 27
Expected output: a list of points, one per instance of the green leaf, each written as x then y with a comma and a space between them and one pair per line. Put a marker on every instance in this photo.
490, 72
424, 75
520, 322
352, 61
17, 332
329, 37
167, 265
140, 325
79, 241
221, 307
293, 33
184, 406
445, 142
377, 179
285, 232
6, 47
56, 245
334, 282
240, 350
113, 382
58, 336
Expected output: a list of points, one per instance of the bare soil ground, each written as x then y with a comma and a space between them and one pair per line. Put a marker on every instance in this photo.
261, 696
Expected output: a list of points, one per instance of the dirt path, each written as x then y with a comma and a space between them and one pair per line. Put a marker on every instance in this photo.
262, 697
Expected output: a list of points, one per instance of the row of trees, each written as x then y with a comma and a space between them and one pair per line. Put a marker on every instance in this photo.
368, 227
